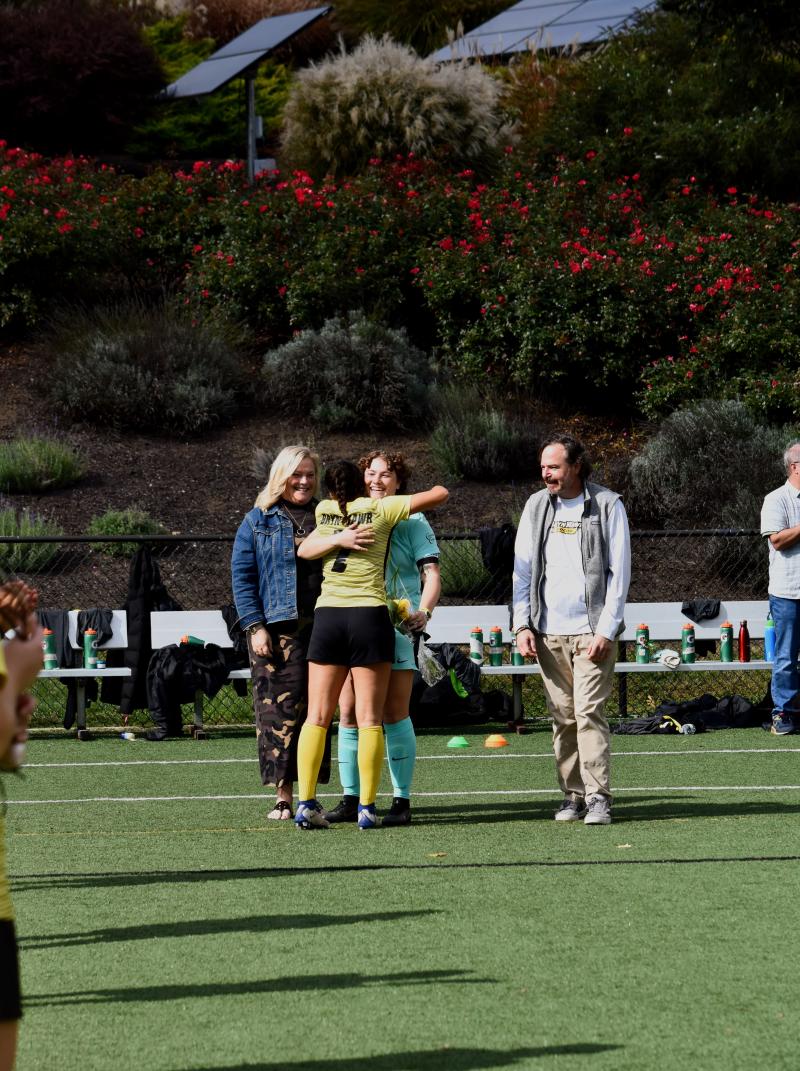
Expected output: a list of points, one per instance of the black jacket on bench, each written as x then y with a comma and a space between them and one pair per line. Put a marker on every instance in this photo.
175, 674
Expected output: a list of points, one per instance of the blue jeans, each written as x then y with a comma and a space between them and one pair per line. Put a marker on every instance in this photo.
785, 677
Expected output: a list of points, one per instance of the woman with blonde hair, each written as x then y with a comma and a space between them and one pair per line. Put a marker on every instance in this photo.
275, 593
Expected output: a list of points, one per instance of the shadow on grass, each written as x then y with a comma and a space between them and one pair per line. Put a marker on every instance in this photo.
269, 986
205, 927
658, 808
431, 1060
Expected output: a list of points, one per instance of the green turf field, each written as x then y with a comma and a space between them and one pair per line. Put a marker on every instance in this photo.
164, 924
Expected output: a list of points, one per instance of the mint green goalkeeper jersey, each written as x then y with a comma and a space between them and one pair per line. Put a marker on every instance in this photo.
412, 545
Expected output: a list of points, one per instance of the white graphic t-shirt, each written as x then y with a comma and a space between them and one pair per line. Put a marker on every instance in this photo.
564, 579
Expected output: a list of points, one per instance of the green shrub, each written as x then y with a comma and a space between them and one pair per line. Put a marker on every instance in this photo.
123, 522
31, 465
351, 374
74, 75
473, 441
137, 367
209, 126
709, 465
382, 99
464, 575
25, 557
671, 99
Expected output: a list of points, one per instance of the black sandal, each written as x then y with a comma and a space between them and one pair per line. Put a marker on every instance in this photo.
281, 812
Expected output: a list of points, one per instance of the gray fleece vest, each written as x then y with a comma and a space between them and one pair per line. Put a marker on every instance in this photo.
539, 513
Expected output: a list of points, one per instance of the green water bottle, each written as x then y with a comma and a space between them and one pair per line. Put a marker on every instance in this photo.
642, 643
516, 657
49, 649
687, 643
89, 649
496, 646
476, 644
726, 641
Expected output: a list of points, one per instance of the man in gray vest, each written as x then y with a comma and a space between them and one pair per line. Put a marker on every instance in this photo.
572, 567
780, 523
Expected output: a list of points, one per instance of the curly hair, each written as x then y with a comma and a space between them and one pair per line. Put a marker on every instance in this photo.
395, 463
344, 481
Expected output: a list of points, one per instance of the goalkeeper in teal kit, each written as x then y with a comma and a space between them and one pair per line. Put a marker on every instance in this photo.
413, 586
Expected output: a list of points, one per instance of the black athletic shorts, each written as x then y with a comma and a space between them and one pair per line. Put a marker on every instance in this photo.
351, 636
10, 999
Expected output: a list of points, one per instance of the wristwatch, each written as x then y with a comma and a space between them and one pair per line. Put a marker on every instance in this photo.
426, 611
254, 628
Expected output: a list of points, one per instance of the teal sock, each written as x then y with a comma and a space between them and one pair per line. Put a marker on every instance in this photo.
401, 751
348, 761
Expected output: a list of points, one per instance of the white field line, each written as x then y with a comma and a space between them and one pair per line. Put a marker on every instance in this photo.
645, 789
420, 758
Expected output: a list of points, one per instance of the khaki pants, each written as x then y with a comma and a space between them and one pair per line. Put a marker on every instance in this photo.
576, 690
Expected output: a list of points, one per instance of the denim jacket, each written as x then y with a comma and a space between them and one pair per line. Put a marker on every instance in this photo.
264, 569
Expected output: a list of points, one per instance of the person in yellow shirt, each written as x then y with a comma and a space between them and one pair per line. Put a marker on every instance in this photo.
20, 661
353, 632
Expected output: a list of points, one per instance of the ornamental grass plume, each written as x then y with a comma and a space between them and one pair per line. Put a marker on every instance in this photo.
381, 100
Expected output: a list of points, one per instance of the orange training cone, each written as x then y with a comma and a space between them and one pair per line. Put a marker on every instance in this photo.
496, 740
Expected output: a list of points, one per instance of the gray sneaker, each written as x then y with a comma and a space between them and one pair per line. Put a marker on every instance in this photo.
571, 810
598, 811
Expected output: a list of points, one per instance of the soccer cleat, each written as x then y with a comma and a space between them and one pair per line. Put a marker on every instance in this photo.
782, 724
598, 811
571, 810
346, 810
310, 816
399, 814
367, 819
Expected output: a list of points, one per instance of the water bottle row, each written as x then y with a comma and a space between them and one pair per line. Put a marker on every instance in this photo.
93, 656
726, 648
496, 648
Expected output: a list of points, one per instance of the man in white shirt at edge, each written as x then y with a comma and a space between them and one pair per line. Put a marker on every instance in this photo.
572, 567
780, 523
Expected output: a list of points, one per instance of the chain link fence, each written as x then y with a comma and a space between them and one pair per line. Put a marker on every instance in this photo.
85, 572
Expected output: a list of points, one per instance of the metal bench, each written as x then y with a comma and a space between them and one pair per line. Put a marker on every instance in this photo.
119, 639
169, 626
665, 620
452, 624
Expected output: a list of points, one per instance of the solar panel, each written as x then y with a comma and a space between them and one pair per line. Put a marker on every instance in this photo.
244, 51
543, 24
523, 19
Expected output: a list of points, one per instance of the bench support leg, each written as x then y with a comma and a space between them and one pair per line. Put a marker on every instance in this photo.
518, 715
198, 732
80, 711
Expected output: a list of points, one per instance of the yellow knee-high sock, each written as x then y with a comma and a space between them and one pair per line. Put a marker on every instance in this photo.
310, 749
370, 761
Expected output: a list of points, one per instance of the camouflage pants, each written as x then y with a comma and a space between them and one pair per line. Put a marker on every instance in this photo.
280, 701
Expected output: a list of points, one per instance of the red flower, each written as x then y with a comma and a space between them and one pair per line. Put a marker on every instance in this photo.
627, 131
